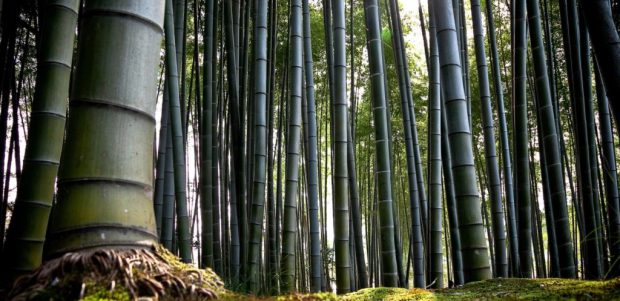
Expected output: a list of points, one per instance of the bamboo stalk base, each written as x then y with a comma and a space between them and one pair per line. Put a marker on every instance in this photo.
153, 273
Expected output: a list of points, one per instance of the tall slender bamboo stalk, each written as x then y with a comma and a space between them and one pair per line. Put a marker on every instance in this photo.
389, 275
184, 239
435, 163
206, 140
293, 145
608, 158
414, 200
473, 245
160, 176
521, 138
260, 143
505, 143
455, 236
551, 149
341, 175
312, 164
492, 165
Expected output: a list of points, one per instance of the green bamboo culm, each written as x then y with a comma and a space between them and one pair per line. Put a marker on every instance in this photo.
606, 45
106, 170
446, 157
521, 138
410, 145
504, 141
272, 252
341, 175
434, 170
492, 165
237, 182
206, 142
178, 152
473, 243
588, 195
215, 151
455, 236
594, 167
23, 248
312, 165
179, 10
610, 176
260, 144
160, 168
167, 224
293, 145
551, 148
389, 275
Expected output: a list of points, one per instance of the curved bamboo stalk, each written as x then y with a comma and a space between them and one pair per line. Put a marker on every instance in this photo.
608, 158
606, 45
293, 140
23, 248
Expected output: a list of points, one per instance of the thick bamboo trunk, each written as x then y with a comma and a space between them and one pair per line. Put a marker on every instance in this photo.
106, 172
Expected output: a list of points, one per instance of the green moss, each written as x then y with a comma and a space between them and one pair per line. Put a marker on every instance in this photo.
91, 288
96, 292
210, 280
231, 296
387, 293
527, 289
495, 289
309, 297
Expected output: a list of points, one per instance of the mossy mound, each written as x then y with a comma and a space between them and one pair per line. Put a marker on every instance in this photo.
117, 274
534, 289
502, 289
495, 289
231, 296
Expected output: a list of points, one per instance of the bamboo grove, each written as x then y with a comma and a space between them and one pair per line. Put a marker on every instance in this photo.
306, 146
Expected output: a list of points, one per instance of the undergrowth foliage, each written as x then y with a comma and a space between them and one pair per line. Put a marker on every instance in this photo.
117, 274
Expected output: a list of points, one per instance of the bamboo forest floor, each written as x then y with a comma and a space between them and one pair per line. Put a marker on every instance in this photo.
85, 285
495, 289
